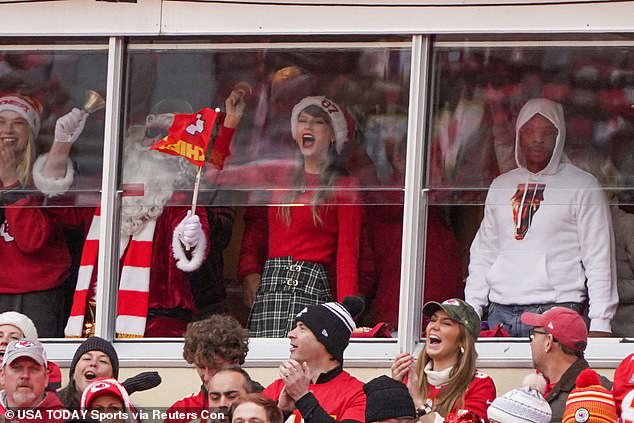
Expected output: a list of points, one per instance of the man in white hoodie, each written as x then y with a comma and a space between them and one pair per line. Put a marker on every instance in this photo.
546, 237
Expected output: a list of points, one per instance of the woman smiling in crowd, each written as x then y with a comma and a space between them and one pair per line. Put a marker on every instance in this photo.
94, 358
445, 380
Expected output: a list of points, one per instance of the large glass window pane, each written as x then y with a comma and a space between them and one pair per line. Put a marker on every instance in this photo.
42, 200
541, 240
323, 185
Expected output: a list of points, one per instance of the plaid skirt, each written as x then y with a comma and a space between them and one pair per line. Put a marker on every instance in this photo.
287, 287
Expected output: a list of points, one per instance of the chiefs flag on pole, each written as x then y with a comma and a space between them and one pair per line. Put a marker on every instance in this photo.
189, 135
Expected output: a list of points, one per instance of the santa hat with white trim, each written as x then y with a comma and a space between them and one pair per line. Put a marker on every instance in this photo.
29, 109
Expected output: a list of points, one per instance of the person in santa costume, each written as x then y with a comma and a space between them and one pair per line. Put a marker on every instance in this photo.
159, 245
31, 246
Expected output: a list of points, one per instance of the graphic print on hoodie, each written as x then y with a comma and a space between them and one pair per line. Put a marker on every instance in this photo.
525, 203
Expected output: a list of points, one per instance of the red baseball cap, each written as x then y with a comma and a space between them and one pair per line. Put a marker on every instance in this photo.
566, 325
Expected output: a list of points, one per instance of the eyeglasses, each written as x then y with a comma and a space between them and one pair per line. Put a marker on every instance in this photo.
531, 336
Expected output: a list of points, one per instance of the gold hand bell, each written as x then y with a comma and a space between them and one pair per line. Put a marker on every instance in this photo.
94, 102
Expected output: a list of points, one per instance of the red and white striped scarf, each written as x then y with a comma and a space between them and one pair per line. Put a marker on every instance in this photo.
134, 284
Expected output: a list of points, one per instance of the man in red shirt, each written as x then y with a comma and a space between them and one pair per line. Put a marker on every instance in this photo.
25, 377
313, 384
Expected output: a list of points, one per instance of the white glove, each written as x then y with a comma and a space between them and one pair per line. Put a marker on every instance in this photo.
69, 127
189, 230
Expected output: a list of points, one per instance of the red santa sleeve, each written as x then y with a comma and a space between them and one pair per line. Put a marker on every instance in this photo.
254, 250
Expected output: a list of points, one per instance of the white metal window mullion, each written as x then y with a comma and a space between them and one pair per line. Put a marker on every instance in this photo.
108, 262
414, 212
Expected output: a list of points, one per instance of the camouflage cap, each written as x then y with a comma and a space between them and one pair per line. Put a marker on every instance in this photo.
458, 311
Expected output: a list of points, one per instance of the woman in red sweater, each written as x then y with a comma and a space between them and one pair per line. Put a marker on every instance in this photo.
294, 256
33, 251
444, 379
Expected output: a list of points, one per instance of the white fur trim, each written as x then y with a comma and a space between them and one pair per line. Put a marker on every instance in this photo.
337, 118
52, 186
197, 253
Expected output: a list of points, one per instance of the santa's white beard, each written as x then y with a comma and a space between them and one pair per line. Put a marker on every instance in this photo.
159, 174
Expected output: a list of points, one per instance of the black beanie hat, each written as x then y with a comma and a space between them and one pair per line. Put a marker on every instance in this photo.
387, 398
331, 324
95, 343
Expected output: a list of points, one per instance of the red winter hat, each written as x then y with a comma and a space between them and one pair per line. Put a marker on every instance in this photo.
623, 380
564, 324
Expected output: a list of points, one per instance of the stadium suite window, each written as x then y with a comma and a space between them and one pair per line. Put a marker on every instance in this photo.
478, 93
40, 236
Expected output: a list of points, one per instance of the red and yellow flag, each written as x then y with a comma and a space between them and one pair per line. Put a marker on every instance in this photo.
189, 136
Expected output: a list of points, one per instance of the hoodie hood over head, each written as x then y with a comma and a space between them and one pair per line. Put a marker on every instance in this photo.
555, 114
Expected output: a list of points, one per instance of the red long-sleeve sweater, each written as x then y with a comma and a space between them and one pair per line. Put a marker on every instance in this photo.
33, 247
332, 242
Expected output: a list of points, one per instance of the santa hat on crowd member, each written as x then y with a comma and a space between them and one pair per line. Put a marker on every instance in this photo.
331, 324
623, 381
589, 401
336, 114
20, 321
103, 386
28, 108
523, 405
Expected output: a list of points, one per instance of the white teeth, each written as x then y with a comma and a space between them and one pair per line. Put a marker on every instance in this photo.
308, 137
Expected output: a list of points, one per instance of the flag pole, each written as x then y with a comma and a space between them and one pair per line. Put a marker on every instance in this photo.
195, 199
196, 189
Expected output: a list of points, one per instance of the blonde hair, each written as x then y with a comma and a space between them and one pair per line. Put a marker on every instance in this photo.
451, 396
25, 165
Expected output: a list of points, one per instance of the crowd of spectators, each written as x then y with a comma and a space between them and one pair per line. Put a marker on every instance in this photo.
441, 384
